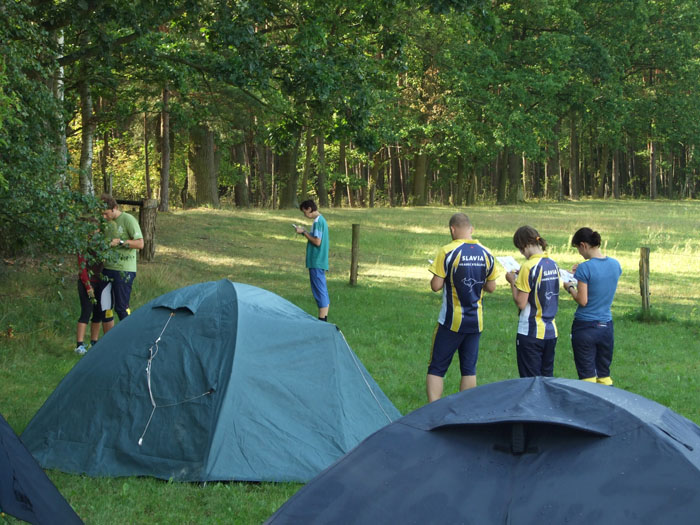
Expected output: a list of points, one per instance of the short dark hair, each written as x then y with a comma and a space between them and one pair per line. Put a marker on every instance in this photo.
526, 235
460, 220
110, 201
585, 235
308, 203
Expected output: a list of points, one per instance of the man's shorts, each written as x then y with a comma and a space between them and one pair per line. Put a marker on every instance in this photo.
446, 343
319, 289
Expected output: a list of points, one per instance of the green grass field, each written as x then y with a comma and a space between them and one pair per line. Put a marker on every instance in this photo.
388, 318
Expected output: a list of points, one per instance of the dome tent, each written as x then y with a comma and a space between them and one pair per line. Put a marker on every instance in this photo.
215, 381
25, 490
535, 450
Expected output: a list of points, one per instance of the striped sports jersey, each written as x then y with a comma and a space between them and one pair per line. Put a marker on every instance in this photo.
539, 277
466, 266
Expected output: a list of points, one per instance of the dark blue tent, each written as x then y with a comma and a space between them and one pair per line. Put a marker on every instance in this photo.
25, 491
215, 381
530, 450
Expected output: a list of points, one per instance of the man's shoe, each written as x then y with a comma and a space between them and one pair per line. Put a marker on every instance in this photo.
80, 350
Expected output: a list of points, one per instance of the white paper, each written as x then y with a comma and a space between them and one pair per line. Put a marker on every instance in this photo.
509, 263
106, 298
567, 276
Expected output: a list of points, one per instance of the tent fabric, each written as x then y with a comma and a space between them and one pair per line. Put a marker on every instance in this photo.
25, 491
534, 450
246, 386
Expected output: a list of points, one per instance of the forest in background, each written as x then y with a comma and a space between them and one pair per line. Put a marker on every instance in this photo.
362, 103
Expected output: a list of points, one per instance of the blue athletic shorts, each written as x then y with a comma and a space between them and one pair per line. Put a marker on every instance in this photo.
446, 343
592, 343
535, 356
319, 289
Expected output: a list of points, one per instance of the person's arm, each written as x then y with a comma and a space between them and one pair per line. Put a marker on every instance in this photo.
490, 286
579, 293
316, 241
519, 297
436, 283
133, 244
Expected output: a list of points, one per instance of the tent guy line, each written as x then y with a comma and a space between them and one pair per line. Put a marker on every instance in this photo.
359, 369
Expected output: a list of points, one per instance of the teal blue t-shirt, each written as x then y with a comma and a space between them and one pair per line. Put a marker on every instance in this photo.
601, 276
317, 256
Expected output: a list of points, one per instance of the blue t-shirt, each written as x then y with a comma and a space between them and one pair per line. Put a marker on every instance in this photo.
601, 276
466, 266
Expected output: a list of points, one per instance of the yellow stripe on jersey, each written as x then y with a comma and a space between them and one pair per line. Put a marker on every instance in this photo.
540, 326
456, 305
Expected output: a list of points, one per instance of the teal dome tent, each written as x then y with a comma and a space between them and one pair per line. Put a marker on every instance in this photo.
215, 381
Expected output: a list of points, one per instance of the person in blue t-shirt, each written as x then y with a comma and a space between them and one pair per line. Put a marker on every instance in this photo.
463, 270
592, 336
316, 255
535, 290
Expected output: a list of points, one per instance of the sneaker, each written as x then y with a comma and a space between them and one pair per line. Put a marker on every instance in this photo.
81, 350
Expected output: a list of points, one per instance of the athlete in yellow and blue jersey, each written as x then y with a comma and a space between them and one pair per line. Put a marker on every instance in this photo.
463, 270
536, 293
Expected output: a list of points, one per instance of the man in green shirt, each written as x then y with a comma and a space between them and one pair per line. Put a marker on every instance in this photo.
120, 266
316, 255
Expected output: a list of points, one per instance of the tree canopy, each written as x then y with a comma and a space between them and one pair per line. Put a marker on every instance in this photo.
354, 103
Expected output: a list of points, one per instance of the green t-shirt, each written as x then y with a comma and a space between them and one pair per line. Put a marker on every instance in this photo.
317, 256
123, 227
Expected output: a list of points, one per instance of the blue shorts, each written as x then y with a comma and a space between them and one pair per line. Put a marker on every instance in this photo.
319, 289
535, 356
592, 342
446, 343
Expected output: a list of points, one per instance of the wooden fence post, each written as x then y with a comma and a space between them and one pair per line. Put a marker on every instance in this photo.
355, 253
644, 278
147, 220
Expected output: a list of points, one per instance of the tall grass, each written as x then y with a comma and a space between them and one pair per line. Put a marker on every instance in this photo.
388, 318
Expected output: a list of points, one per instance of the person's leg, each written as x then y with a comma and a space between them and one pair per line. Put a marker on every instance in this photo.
440, 358
548, 357
468, 355
604, 353
121, 291
529, 354
434, 386
467, 382
85, 309
584, 347
80, 333
319, 289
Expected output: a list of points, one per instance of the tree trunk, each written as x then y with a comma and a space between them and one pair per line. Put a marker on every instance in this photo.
603, 186
87, 136
288, 175
616, 174
574, 173
59, 93
241, 192
149, 193
340, 186
460, 183
203, 160
515, 170
309, 142
322, 177
376, 161
165, 152
652, 169
501, 177
419, 179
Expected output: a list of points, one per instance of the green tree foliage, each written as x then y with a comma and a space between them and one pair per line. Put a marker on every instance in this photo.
403, 102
